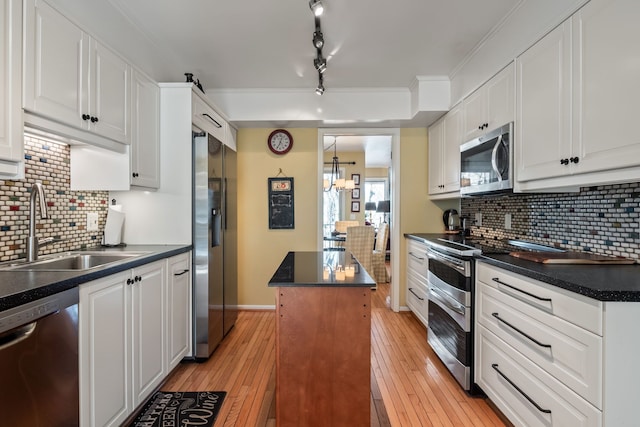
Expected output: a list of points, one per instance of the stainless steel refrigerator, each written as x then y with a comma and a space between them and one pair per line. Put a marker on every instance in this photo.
215, 226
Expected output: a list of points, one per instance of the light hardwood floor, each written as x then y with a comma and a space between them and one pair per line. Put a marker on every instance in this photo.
410, 386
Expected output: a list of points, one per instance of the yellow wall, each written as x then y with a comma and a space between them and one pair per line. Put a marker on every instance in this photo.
417, 213
261, 250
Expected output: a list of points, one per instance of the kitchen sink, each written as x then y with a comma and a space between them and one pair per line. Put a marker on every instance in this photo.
72, 261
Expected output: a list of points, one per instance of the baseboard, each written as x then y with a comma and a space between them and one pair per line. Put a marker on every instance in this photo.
257, 307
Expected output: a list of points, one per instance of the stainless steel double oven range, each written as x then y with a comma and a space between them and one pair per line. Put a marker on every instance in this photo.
450, 277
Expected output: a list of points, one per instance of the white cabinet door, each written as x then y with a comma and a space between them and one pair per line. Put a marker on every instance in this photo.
207, 119
436, 138
145, 138
606, 62
543, 99
475, 114
451, 150
56, 66
104, 322
500, 98
491, 106
109, 101
148, 329
11, 140
178, 309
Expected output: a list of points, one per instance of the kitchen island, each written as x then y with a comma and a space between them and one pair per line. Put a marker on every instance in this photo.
323, 340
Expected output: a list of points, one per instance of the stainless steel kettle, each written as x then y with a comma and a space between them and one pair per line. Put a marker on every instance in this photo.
451, 220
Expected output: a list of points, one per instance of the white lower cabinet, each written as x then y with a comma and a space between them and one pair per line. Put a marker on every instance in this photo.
417, 290
134, 328
178, 309
550, 357
524, 392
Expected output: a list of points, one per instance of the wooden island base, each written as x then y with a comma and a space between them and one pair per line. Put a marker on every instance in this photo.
323, 361
323, 343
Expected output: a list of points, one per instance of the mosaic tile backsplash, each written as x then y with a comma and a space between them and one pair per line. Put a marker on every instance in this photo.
48, 164
604, 220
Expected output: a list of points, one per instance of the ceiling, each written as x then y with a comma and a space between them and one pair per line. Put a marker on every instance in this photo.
258, 44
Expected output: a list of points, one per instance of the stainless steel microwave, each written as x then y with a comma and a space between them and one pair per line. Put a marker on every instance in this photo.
486, 162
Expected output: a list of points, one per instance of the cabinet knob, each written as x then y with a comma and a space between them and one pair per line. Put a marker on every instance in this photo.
129, 282
137, 279
135, 174
564, 161
86, 117
94, 119
574, 159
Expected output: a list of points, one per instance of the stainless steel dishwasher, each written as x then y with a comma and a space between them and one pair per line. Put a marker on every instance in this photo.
39, 362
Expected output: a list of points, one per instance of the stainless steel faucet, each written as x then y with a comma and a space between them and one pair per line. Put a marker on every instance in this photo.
37, 190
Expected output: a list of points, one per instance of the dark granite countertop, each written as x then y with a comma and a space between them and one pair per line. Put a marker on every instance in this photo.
20, 287
600, 282
305, 269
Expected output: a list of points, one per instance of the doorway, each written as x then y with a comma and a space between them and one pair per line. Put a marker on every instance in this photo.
392, 136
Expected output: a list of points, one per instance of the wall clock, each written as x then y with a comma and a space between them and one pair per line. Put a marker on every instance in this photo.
280, 141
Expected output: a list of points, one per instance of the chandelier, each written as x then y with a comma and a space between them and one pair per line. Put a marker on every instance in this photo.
335, 182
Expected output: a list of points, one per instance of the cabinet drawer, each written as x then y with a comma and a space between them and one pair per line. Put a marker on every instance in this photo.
417, 258
569, 353
418, 297
574, 308
526, 394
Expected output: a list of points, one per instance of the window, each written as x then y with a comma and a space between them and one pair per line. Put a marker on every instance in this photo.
375, 190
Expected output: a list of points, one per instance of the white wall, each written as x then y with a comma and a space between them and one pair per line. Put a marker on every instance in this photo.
164, 216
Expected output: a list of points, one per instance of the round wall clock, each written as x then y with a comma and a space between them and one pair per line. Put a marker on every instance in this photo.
280, 141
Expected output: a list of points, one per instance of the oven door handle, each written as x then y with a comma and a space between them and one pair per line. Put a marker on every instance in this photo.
443, 300
447, 260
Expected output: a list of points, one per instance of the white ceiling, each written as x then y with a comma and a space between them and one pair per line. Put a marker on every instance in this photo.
267, 44
258, 44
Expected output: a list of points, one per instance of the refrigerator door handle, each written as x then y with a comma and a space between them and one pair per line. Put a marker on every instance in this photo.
216, 224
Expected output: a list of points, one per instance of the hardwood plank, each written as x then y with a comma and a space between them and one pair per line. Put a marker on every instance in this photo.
409, 384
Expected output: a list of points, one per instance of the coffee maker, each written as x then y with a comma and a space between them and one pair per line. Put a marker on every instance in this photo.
451, 220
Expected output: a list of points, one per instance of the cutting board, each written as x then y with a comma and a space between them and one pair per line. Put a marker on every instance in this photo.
570, 258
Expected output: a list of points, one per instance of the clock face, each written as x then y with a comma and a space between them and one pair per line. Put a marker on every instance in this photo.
280, 141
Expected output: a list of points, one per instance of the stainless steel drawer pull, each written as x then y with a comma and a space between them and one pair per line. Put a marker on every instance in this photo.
497, 316
215, 122
417, 296
416, 256
497, 280
519, 390
181, 273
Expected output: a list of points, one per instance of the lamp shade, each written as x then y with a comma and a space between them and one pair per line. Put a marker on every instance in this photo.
370, 206
384, 206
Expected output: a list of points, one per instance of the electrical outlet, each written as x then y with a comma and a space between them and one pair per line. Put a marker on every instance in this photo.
478, 219
507, 221
92, 221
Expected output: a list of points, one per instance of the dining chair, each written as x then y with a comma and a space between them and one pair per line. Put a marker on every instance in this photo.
341, 226
379, 254
359, 242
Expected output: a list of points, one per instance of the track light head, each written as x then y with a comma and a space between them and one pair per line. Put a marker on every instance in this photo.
318, 39
316, 7
321, 64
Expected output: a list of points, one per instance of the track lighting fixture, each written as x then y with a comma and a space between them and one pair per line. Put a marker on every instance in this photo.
320, 88
318, 39
316, 7
320, 63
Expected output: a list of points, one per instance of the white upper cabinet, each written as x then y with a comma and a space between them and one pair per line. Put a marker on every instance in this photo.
11, 140
606, 63
576, 90
145, 135
206, 118
543, 93
444, 154
491, 106
71, 78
